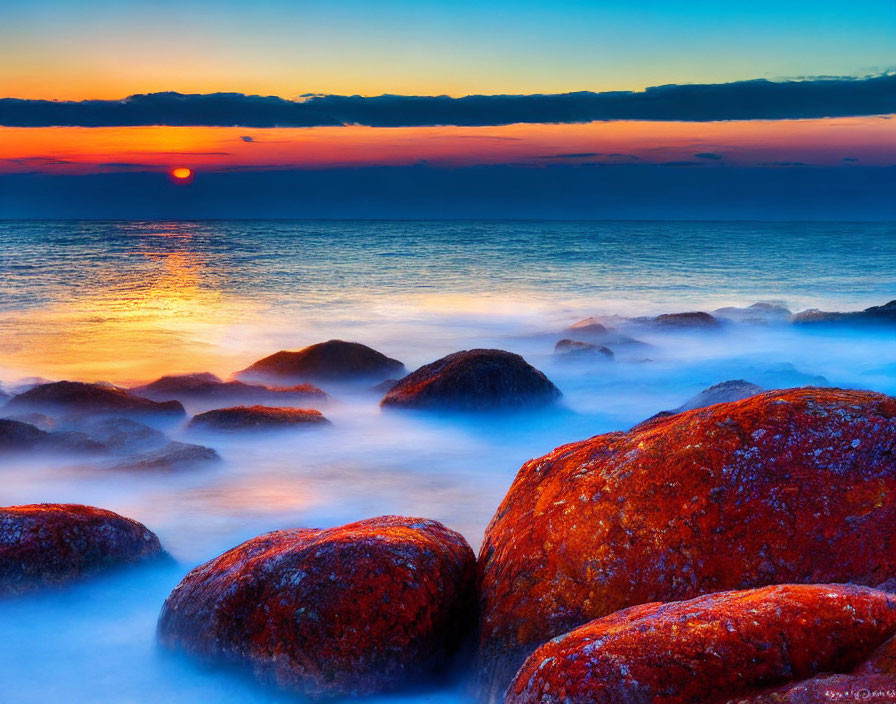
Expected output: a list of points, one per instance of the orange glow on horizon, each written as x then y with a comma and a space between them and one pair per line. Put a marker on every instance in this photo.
181, 173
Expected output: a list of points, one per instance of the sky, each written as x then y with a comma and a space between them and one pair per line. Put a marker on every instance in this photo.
749, 89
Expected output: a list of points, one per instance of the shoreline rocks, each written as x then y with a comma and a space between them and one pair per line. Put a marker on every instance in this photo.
354, 610
875, 315
796, 485
51, 544
334, 361
75, 397
718, 646
241, 418
473, 380
204, 386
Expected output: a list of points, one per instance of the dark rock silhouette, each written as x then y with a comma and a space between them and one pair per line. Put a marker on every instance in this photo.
171, 456
875, 315
334, 360
694, 320
18, 437
74, 397
353, 610
575, 349
240, 418
205, 387
724, 392
761, 313
50, 544
473, 380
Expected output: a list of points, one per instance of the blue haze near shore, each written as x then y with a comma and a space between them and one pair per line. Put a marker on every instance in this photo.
125, 301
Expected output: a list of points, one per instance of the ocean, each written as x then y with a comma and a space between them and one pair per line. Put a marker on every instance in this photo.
125, 302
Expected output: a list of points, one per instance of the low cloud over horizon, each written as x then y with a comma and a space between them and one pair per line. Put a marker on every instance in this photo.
742, 100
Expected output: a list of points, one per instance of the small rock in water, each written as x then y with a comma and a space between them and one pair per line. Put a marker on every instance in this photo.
241, 418
577, 350
695, 320
173, 456
875, 315
50, 544
347, 611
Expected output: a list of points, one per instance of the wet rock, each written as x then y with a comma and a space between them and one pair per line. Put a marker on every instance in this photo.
73, 397
829, 688
710, 648
241, 418
761, 313
50, 544
593, 331
19, 437
796, 485
208, 387
385, 386
588, 327
117, 434
334, 360
691, 320
875, 315
170, 457
353, 610
724, 392
575, 349
473, 380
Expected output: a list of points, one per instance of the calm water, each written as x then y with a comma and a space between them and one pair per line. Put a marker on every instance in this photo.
126, 302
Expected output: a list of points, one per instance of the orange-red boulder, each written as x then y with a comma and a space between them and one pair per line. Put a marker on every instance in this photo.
49, 544
786, 486
473, 380
241, 418
334, 360
712, 648
352, 610
75, 397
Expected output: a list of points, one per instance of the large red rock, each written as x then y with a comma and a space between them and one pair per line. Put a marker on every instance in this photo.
712, 648
334, 360
786, 486
241, 418
352, 610
75, 397
473, 380
49, 544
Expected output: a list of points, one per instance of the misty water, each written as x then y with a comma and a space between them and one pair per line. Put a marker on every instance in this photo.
128, 302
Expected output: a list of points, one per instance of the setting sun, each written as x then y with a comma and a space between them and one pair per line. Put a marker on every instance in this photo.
181, 173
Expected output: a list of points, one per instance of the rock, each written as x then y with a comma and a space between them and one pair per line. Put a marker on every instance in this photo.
882, 660
39, 420
4, 397
73, 397
19, 437
473, 380
578, 350
591, 330
384, 386
696, 319
173, 456
204, 386
829, 688
50, 544
796, 485
118, 434
334, 360
241, 418
875, 315
353, 610
588, 326
709, 648
724, 392
761, 313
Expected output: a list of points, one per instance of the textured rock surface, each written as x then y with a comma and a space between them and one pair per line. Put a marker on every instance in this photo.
823, 689
787, 486
334, 360
257, 418
578, 350
713, 647
473, 380
74, 397
695, 319
205, 386
49, 544
357, 609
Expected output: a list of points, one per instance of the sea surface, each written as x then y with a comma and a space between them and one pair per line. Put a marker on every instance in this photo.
125, 302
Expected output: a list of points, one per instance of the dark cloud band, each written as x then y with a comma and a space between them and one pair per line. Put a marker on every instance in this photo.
744, 100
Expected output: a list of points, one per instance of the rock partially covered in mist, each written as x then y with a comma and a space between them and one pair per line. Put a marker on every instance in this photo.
574, 349
695, 320
473, 380
208, 387
712, 648
353, 610
875, 315
761, 313
50, 544
334, 360
117, 434
724, 392
240, 418
796, 485
74, 397
19, 437
170, 457
589, 327
595, 332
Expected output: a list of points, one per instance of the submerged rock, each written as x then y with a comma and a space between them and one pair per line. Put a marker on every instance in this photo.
761, 313
172, 456
257, 418
473, 380
17, 437
205, 386
578, 350
74, 397
708, 649
724, 392
787, 486
695, 320
334, 360
875, 315
50, 544
353, 610
118, 434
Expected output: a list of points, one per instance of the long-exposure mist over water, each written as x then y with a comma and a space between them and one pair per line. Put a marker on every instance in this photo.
128, 302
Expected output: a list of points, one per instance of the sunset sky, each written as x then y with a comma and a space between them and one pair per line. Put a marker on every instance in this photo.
104, 51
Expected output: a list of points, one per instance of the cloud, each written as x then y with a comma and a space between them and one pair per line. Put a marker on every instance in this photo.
575, 155
247, 138
708, 155
742, 100
784, 163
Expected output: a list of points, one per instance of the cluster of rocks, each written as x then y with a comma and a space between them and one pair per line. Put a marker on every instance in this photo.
737, 552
